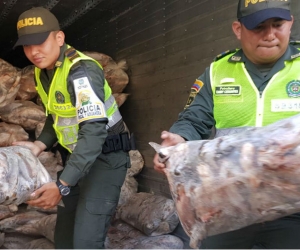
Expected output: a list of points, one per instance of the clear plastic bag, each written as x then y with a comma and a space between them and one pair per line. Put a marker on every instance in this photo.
21, 173
237, 180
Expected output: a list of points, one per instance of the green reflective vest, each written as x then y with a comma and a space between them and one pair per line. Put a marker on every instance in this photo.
238, 103
67, 117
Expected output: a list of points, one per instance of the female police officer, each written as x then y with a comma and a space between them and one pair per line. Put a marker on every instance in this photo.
84, 118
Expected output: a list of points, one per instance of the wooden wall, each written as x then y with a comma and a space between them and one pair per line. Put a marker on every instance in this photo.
167, 45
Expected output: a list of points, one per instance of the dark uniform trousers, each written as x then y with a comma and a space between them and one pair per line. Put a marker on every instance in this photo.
84, 220
283, 233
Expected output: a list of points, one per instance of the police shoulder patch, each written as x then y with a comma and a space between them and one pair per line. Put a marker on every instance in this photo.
196, 87
88, 105
225, 53
198, 84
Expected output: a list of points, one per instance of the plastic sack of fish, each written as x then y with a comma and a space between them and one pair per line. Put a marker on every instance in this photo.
236, 180
21, 173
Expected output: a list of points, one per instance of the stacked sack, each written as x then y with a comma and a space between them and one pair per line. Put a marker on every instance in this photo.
142, 220
115, 74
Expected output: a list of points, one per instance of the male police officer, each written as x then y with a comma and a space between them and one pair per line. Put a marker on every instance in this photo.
247, 87
84, 118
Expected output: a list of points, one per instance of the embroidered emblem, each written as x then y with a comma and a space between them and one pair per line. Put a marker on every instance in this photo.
293, 88
88, 104
59, 97
194, 90
197, 85
58, 64
84, 98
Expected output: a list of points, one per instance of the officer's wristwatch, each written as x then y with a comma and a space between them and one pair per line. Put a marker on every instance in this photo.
64, 190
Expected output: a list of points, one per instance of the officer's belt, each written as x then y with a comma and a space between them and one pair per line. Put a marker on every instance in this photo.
118, 142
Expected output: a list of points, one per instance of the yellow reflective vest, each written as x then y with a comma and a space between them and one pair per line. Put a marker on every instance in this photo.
238, 103
58, 103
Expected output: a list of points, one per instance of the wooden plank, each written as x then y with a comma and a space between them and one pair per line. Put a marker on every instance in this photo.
202, 24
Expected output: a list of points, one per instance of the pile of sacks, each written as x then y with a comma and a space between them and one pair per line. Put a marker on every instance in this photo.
115, 74
21, 111
142, 220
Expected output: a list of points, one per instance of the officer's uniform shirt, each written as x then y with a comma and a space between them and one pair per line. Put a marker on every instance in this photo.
196, 121
91, 136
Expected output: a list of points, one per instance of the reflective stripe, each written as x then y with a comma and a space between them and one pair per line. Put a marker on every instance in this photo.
112, 112
114, 119
230, 131
63, 121
66, 130
109, 102
71, 147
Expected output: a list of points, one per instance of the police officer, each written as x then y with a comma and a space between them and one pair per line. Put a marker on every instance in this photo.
83, 117
252, 86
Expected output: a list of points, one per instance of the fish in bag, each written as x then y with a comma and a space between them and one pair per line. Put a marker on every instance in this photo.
21, 173
236, 180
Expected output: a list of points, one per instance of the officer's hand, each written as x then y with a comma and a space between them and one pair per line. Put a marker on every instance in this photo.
46, 197
169, 139
36, 147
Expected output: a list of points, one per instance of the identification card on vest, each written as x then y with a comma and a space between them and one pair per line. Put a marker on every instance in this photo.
284, 105
228, 90
88, 105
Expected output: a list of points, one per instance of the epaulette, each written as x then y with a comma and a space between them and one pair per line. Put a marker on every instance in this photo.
295, 43
225, 53
71, 53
